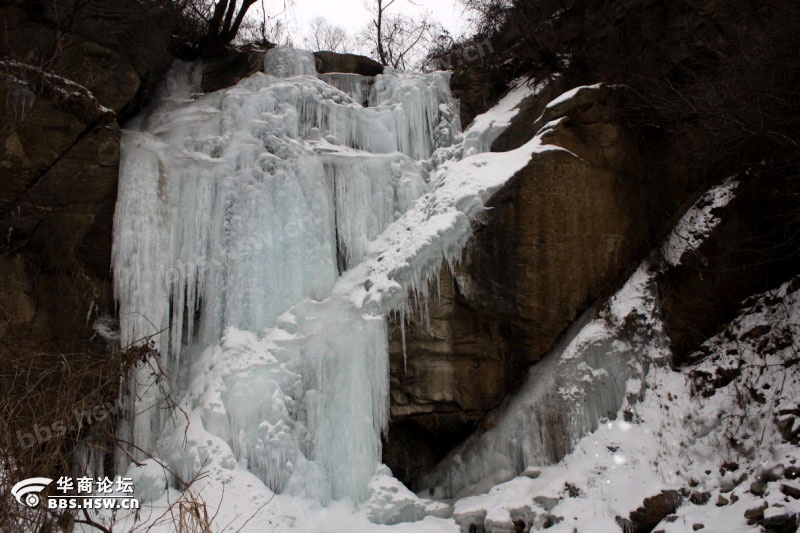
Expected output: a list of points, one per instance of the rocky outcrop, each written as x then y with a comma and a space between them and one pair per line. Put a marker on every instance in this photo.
235, 64
754, 247
477, 88
352, 63
564, 231
230, 67
70, 73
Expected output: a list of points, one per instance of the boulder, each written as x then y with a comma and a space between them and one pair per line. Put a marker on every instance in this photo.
653, 510
230, 67
349, 63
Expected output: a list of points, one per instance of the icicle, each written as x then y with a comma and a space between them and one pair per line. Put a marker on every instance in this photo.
403, 339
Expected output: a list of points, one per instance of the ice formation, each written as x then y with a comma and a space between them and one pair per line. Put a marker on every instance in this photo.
696, 224
695, 426
583, 380
262, 233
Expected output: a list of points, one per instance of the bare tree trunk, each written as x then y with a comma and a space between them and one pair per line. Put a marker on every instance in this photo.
383, 5
379, 27
223, 26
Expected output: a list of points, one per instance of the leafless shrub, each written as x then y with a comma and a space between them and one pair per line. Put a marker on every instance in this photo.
193, 514
52, 404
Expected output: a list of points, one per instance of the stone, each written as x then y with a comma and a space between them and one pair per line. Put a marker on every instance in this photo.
349, 63
653, 510
596, 104
471, 521
758, 488
755, 513
108, 74
773, 474
784, 522
230, 67
525, 124
790, 490
572, 490
546, 503
700, 498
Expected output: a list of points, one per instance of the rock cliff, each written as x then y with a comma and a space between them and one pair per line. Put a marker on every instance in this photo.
565, 232
70, 73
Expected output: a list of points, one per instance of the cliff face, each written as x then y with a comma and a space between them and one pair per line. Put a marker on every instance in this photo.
69, 73
568, 229
755, 248
564, 232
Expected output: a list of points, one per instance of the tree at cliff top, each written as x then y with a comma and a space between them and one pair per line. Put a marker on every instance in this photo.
397, 40
326, 36
208, 26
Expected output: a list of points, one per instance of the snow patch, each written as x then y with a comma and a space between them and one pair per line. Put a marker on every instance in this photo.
698, 222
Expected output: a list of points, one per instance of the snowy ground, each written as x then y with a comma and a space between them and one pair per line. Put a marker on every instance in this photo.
694, 431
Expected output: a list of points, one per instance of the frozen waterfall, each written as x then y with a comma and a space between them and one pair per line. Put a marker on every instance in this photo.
238, 214
262, 234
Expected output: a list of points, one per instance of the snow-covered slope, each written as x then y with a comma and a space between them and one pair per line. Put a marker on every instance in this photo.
712, 444
721, 433
585, 379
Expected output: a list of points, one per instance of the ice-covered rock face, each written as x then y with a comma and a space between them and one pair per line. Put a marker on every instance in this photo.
236, 207
262, 234
583, 380
242, 199
285, 62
